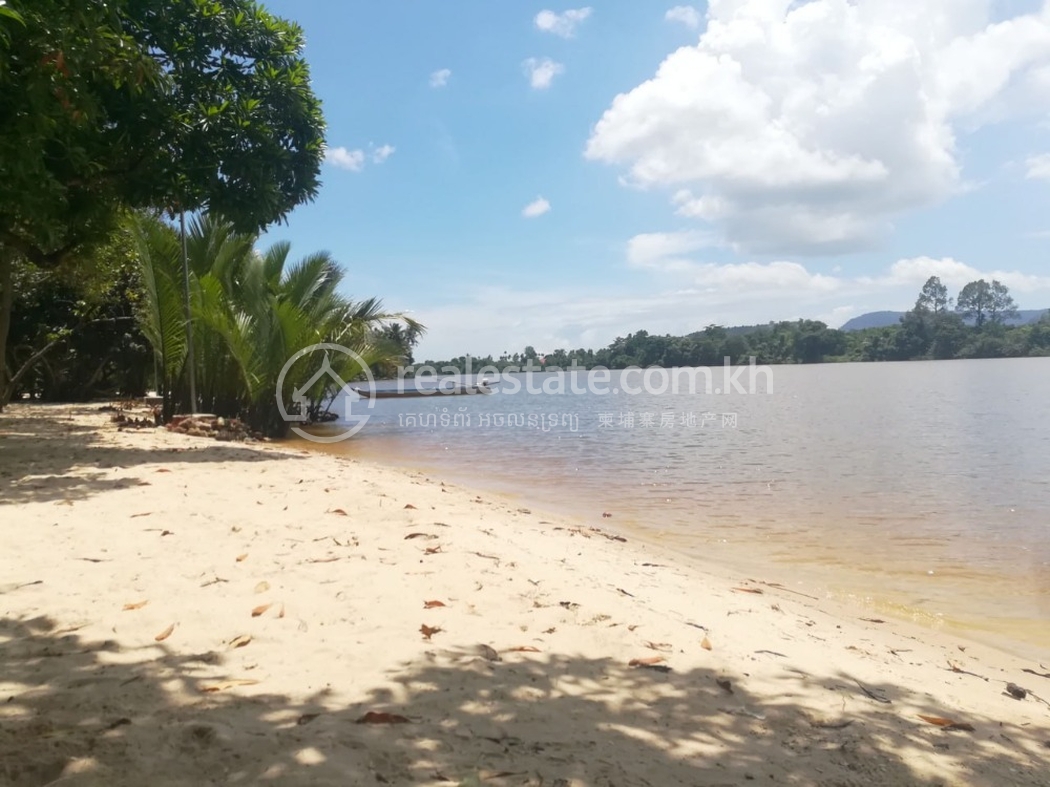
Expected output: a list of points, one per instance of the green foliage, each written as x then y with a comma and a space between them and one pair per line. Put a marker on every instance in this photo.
163, 103
252, 312
401, 338
74, 335
933, 297
930, 331
980, 301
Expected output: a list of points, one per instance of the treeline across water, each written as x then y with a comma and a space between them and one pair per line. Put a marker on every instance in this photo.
973, 325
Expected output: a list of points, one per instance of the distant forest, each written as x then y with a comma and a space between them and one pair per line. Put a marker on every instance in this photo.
975, 324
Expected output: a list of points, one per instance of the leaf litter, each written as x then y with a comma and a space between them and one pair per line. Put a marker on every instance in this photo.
379, 717
241, 641
947, 724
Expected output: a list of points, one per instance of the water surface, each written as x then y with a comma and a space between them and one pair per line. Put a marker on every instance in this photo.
915, 489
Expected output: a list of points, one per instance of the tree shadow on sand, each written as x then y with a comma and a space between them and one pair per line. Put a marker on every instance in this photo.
74, 712
57, 459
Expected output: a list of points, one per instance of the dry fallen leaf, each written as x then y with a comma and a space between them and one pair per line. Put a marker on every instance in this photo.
163, 470
428, 631
241, 641
242, 558
524, 649
339, 511
374, 717
705, 643
756, 591
410, 536
262, 587
433, 604
432, 550
646, 662
410, 506
211, 688
281, 613
261, 609
165, 634
948, 724
137, 605
146, 513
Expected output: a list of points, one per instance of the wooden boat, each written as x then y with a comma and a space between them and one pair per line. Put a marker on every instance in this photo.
408, 393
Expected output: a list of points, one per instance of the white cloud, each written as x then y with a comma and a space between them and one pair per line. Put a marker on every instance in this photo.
440, 77
685, 14
1038, 167
536, 208
381, 154
668, 252
353, 160
807, 127
704, 207
915, 271
541, 71
563, 24
665, 250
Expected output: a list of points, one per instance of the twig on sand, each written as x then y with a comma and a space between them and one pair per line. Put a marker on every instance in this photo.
778, 586
956, 668
872, 694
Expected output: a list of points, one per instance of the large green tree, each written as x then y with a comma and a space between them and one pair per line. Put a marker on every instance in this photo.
983, 302
933, 297
170, 104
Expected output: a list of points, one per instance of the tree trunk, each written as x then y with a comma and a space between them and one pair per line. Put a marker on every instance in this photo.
7, 302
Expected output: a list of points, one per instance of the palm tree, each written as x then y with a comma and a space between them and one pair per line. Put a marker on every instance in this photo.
252, 312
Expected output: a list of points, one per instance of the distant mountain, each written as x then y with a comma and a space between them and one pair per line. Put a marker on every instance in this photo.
885, 319
872, 320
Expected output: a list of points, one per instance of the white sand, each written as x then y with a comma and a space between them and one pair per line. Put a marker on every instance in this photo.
200, 534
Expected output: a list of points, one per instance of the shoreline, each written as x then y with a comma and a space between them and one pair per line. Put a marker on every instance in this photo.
527, 673
831, 584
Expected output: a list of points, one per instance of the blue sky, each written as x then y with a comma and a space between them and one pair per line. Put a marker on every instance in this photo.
734, 162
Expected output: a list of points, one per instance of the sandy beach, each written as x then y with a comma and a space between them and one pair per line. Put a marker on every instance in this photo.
178, 611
